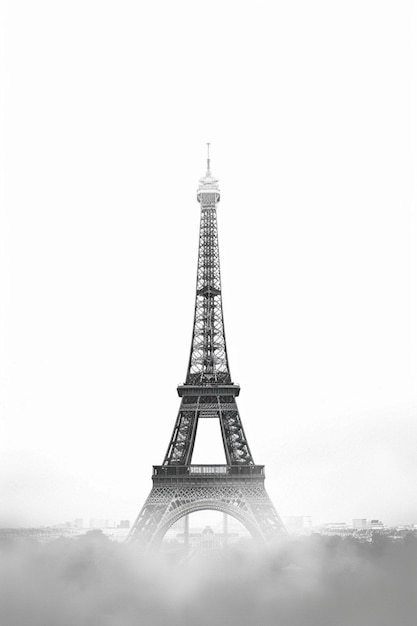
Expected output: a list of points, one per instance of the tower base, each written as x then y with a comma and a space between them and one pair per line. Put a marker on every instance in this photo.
237, 490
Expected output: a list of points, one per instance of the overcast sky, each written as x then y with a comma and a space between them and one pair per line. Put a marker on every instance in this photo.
105, 110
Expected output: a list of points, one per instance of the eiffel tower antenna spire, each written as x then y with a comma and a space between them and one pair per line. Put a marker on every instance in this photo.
179, 487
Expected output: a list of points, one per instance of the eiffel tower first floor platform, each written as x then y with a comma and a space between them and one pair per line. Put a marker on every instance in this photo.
179, 490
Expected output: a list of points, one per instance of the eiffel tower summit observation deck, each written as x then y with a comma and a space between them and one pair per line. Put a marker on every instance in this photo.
179, 487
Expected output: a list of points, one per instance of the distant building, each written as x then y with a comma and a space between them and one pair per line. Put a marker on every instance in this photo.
376, 524
124, 523
99, 523
336, 525
109, 523
96, 523
78, 523
359, 523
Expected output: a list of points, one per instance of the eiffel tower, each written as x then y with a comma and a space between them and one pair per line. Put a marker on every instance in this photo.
179, 487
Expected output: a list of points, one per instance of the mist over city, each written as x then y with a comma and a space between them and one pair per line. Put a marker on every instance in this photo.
317, 581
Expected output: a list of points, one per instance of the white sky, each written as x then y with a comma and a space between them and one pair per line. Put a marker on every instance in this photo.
105, 110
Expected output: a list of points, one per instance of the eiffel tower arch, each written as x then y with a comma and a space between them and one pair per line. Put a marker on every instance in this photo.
179, 487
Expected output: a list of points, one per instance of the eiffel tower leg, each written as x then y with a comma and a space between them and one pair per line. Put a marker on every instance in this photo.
149, 519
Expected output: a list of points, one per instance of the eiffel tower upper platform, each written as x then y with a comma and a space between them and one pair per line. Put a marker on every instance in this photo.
179, 487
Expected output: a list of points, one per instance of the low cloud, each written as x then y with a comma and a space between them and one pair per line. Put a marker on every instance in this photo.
315, 581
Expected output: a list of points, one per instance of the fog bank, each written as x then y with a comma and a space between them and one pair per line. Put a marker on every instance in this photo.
315, 581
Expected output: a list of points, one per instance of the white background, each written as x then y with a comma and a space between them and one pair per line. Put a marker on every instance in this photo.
105, 110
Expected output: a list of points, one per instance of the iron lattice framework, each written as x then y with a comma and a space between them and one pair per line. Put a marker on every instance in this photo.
180, 488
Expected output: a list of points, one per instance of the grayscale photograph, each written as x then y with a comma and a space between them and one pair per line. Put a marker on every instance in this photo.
208, 313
